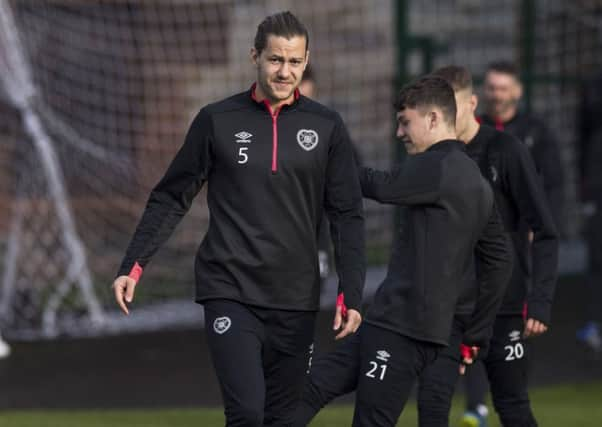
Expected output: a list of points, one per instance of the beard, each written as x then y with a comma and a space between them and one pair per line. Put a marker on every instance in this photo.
499, 106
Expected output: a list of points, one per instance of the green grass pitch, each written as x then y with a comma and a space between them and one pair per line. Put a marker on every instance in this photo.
559, 406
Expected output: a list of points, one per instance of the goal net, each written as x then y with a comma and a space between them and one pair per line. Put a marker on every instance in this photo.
95, 99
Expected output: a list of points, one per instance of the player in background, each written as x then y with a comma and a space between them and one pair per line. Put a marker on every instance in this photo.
502, 93
506, 163
275, 162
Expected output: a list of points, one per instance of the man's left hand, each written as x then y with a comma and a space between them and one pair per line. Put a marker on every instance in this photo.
533, 328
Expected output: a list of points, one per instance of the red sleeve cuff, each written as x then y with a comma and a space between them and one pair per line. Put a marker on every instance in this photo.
341, 303
135, 272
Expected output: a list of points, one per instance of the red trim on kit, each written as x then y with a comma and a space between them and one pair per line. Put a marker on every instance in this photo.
465, 352
525, 311
136, 272
499, 125
274, 137
341, 303
253, 96
468, 352
274, 115
479, 120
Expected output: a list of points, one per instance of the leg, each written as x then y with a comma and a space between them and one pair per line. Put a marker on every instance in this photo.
234, 336
438, 382
507, 368
285, 360
389, 366
476, 386
330, 376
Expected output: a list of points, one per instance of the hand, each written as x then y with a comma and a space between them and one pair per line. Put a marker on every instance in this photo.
469, 354
533, 328
349, 323
124, 291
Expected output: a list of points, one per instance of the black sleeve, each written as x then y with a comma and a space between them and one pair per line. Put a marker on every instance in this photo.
548, 159
493, 264
417, 180
526, 189
343, 205
171, 198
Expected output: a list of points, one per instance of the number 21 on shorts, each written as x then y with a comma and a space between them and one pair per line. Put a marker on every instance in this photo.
378, 370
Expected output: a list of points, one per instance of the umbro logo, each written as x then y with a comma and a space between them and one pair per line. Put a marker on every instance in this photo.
383, 355
243, 137
514, 336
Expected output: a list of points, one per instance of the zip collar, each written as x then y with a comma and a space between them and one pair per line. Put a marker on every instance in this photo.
274, 116
266, 104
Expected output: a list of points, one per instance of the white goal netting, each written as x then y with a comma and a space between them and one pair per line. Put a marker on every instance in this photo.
95, 98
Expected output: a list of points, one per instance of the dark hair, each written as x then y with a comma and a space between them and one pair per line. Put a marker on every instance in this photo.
283, 24
459, 78
308, 74
504, 67
426, 92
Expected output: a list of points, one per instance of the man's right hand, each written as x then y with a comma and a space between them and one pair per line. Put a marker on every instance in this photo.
124, 287
346, 323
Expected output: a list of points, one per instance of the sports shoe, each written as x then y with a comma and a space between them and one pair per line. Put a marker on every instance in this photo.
4, 349
589, 335
476, 418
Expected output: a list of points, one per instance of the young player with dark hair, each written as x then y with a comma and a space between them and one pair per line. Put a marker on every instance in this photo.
507, 165
274, 161
448, 208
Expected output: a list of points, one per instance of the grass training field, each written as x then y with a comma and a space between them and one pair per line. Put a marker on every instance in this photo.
560, 406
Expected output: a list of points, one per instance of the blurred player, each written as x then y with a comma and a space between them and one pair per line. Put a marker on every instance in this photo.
501, 95
274, 162
507, 165
448, 208
502, 91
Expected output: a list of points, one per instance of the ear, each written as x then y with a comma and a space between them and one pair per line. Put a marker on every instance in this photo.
518, 92
254, 56
474, 102
433, 118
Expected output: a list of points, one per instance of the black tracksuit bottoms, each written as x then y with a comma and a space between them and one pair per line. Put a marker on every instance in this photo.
381, 365
261, 358
507, 369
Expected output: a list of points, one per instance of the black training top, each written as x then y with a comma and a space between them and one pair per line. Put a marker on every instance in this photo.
448, 209
507, 165
270, 175
545, 150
